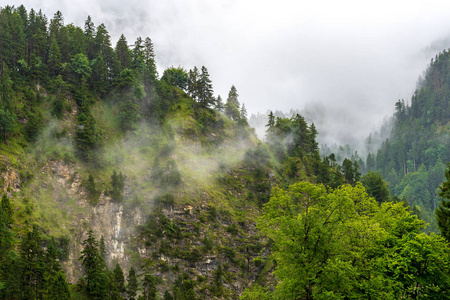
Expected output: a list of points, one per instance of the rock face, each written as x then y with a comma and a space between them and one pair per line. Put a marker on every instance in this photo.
107, 218
10, 179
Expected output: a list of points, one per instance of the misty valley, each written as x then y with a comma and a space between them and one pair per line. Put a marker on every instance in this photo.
118, 182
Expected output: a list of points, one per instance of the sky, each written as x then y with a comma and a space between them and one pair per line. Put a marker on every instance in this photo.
348, 61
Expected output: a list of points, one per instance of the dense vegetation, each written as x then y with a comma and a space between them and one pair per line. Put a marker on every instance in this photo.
86, 126
413, 159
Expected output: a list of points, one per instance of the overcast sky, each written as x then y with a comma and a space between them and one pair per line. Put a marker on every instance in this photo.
353, 59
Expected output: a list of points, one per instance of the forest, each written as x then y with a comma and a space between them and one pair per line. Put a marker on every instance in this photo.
121, 183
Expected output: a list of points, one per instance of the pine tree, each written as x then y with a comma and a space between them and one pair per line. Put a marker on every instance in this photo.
89, 33
54, 58
271, 122
138, 56
220, 106
193, 83
123, 52
119, 279
149, 286
102, 248
94, 268
232, 106
118, 185
150, 72
7, 208
243, 116
132, 284
205, 91
443, 211
32, 263
59, 289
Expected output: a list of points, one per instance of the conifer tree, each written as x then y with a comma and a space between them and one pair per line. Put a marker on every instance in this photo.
132, 284
220, 106
118, 185
119, 279
32, 265
243, 116
54, 58
123, 52
59, 289
443, 211
7, 208
149, 286
89, 33
205, 90
94, 268
193, 83
138, 57
232, 106
150, 73
102, 248
271, 121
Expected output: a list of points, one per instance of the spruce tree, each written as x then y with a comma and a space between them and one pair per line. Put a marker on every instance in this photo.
205, 93
150, 72
119, 279
232, 106
7, 208
149, 286
132, 284
193, 83
123, 52
94, 268
443, 211
32, 265
220, 106
118, 185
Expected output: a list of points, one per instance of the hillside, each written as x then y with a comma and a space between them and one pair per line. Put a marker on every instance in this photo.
413, 159
121, 183
99, 150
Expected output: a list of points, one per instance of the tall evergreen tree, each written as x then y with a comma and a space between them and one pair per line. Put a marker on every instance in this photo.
7, 208
149, 286
123, 52
205, 90
94, 268
232, 106
150, 72
193, 83
443, 211
220, 106
138, 57
132, 284
119, 279
33, 267
243, 116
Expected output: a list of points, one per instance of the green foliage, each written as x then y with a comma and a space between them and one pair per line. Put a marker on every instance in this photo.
184, 288
118, 185
443, 211
132, 284
119, 279
232, 105
86, 136
376, 187
96, 280
341, 244
419, 138
81, 66
176, 77
91, 188
7, 122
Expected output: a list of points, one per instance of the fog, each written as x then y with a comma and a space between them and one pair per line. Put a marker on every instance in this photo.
348, 60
